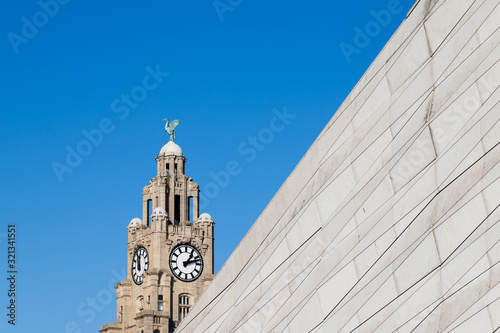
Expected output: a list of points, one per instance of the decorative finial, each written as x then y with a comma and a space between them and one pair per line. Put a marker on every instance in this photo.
170, 127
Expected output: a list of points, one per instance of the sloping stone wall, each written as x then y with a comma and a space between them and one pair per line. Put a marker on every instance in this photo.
391, 220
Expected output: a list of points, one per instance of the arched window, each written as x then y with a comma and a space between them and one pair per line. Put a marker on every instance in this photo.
184, 306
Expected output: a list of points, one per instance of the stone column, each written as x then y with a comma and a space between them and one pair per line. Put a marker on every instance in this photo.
145, 210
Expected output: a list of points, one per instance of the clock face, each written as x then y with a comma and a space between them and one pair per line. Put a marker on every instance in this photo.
140, 264
186, 263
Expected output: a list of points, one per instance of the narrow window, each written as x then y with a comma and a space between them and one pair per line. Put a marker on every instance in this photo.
150, 211
160, 302
183, 306
167, 197
140, 299
190, 209
177, 206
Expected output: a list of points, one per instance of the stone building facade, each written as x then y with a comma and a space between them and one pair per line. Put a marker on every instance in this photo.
170, 252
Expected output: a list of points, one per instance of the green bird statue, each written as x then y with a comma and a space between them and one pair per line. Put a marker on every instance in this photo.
170, 127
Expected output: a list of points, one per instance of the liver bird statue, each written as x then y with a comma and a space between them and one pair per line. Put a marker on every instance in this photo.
170, 127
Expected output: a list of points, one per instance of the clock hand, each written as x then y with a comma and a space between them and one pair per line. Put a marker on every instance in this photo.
139, 263
191, 261
187, 261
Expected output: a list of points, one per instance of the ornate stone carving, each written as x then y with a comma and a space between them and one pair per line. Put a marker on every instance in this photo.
193, 185
147, 188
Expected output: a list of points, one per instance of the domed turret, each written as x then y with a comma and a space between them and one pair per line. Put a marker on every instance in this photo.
171, 148
205, 217
135, 222
159, 212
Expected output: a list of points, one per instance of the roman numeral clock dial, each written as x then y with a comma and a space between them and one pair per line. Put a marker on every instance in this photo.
140, 264
186, 263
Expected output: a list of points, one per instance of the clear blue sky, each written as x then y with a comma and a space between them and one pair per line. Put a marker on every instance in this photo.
228, 71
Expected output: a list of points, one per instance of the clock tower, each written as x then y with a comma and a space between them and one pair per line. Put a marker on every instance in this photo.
170, 252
